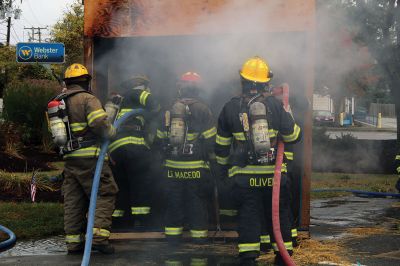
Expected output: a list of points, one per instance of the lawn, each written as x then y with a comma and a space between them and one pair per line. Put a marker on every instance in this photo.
32, 220
366, 182
35, 220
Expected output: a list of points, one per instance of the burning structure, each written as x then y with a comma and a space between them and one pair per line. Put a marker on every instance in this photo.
163, 39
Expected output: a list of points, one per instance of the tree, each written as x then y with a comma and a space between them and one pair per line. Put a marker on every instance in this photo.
10, 70
344, 68
376, 24
69, 30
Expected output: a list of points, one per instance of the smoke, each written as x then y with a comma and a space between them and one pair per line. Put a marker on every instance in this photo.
343, 67
218, 42
214, 38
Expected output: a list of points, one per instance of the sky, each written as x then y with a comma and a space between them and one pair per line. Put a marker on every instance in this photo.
35, 13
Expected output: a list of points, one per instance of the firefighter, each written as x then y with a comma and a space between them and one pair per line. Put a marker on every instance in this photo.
187, 136
88, 124
250, 124
130, 154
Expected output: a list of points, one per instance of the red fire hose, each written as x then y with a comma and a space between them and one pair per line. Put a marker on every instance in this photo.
276, 191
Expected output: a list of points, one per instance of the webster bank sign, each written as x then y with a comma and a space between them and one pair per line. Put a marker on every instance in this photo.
50, 53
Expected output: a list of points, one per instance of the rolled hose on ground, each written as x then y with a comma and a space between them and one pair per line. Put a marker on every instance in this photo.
95, 188
276, 192
10, 242
360, 193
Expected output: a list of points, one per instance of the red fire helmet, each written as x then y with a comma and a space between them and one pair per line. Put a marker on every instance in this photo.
190, 77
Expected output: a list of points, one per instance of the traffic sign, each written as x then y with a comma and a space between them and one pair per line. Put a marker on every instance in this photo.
49, 53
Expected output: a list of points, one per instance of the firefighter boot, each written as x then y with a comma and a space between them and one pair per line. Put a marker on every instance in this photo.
76, 251
265, 247
248, 258
174, 241
279, 260
247, 262
104, 248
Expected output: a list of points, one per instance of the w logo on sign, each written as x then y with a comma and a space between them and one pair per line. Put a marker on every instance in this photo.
25, 53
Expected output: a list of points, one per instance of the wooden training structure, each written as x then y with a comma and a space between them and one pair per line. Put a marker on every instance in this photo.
111, 22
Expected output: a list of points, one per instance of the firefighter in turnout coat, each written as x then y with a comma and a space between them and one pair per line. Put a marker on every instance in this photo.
250, 125
88, 124
187, 137
130, 154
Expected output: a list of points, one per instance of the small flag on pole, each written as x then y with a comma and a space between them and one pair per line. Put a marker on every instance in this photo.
33, 186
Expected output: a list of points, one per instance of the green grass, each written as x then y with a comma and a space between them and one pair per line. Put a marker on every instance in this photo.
366, 182
37, 220
32, 220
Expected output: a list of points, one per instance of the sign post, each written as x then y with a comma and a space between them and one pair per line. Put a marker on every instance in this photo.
46, 53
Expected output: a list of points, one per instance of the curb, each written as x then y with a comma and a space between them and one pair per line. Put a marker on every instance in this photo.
361, 129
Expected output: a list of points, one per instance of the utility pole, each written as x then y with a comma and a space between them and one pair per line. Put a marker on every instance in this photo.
7, 11
31, 36
38, 32
9, 25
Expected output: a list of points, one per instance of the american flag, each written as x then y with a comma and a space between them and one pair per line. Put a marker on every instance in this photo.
33, 186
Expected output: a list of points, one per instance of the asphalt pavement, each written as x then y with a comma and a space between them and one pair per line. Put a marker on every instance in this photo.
372, 134
367, 129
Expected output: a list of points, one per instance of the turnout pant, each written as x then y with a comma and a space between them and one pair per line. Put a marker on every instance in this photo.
76, 188
254, 203
186, 202
130, 166
227, 207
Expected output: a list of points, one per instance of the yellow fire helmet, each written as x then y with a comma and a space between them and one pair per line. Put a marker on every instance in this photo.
76, 70
256, 69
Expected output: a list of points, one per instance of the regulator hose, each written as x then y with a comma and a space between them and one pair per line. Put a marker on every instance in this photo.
95, 187
10, 242
360, 193
276, 191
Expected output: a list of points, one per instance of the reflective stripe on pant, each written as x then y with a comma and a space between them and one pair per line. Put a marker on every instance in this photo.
199, 233
186, 198
173, 231
246, 247
294, 233
69, 239
265, 239
118, 213
228, 212
288, 246
198, 262
76, 189
140, 210
131, 172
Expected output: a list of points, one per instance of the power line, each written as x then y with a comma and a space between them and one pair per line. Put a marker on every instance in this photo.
37, 32
33, 13
16, 35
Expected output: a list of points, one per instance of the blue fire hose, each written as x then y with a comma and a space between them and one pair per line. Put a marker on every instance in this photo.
9, 243
95, 187
359, 193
